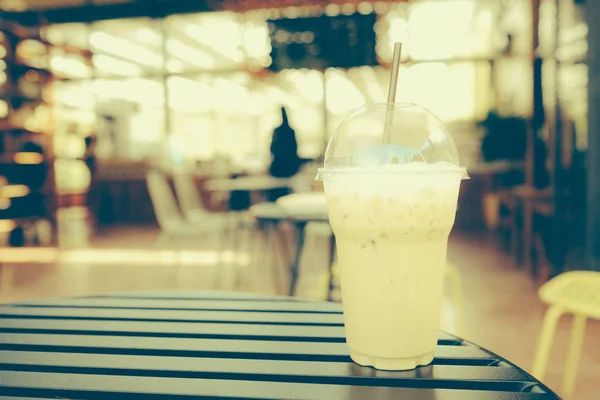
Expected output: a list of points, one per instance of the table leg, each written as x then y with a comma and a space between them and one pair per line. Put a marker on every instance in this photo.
527, 235
295, 270
577, 333
274, 239
515, 249
331, 262
544, 345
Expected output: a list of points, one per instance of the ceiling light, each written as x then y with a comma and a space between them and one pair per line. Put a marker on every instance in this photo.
6, 225
365, 8
148, 35
125, 49
70, 66
13, 5
114, 66
188, 53
3, 109
28, 158
332, 10
12, 191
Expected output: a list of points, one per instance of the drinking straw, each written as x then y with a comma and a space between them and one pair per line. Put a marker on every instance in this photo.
389, 116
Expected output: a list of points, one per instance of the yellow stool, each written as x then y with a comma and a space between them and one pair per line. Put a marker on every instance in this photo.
576, 293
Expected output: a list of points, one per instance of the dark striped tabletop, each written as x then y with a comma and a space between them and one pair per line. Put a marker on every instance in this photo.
185, 344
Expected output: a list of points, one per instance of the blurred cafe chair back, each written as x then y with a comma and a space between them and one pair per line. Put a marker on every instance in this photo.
163, 200
172, 223
188, 197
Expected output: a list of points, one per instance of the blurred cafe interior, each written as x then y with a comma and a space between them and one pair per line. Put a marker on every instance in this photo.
138, 146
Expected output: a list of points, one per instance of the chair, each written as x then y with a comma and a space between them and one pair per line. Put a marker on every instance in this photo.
170, 220
576, 293
188, 198
193, 208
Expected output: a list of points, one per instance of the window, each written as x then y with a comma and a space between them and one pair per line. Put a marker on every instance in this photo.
197, 82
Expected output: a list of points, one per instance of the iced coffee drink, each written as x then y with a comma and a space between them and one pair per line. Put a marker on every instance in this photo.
391, 213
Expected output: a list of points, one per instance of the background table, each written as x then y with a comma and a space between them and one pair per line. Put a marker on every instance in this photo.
303, 209
249, 183
174, 345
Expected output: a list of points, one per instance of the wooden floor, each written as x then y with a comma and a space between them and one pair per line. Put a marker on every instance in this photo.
500, 310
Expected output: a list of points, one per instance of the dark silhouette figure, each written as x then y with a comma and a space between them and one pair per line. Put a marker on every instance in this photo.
89, 157
285, 162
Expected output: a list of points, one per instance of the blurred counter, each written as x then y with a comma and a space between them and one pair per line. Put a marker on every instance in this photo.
119, 195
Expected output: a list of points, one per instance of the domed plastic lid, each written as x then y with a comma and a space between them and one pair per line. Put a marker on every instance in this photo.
414, 135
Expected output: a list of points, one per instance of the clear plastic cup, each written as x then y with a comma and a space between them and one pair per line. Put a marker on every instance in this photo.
392, 206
